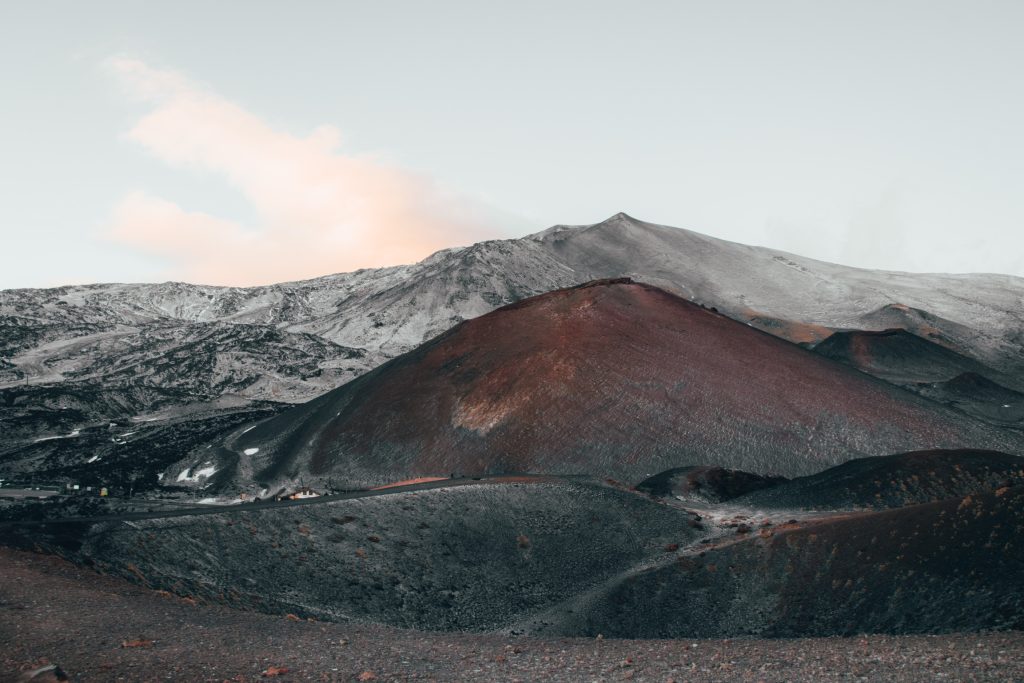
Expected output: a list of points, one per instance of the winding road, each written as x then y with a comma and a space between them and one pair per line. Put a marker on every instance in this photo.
269, 504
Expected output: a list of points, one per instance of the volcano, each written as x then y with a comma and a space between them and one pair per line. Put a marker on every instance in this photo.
612, 378
897, 356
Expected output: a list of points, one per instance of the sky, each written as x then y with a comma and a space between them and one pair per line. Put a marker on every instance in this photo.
253, 142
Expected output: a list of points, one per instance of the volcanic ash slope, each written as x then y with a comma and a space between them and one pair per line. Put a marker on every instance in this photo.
480, 556
614, 379
947, 566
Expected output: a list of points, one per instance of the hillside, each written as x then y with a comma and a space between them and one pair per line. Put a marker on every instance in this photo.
897, 356
384, 312
612, 379
115, 352
473, 557
894, 481
802, 299
905, 570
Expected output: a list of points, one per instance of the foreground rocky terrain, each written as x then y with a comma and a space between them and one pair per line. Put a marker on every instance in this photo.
51, 611
914, 544
922, 569
102, 628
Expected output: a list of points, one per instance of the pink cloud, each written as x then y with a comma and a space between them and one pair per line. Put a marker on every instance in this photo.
320, 210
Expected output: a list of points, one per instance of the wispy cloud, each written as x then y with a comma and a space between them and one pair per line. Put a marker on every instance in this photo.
319, 210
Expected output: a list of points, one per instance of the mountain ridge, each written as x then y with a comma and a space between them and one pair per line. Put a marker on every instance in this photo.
307, 337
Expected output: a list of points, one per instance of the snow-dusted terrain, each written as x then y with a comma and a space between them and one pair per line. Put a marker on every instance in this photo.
286, 342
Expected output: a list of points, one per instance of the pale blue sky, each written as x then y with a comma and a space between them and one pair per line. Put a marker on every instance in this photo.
879, 134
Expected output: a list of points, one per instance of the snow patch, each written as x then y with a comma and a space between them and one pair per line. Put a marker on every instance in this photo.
219, 501
251, 451
203, 473
62, 436
206, 471
92, 459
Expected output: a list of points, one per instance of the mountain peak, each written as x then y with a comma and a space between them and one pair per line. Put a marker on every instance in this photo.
621, 216
616, 220
621, 219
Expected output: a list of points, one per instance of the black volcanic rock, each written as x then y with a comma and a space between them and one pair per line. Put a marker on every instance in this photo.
897, 356
930, 369
476, 557
954, 565
563, 558
705, 484
978, 396
126, 456
895, 481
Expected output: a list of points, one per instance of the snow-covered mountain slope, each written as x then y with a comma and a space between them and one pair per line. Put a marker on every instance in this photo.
293, 341
290, 341
800, 299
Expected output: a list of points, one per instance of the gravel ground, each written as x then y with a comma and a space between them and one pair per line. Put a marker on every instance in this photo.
99, 628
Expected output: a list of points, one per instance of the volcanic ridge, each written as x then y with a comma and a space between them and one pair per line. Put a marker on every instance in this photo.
613, 378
